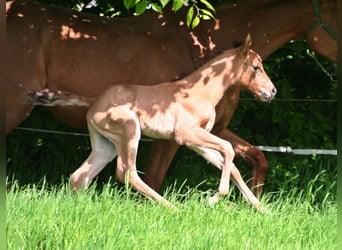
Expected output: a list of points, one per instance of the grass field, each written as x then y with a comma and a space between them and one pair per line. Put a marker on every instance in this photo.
115, 218
300, 193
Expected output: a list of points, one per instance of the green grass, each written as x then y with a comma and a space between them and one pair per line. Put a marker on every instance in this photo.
300, 193
114, 218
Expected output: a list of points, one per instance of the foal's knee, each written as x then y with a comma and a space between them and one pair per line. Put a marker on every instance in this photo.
228, 151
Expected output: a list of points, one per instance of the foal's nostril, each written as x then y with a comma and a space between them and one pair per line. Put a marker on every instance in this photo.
274, 91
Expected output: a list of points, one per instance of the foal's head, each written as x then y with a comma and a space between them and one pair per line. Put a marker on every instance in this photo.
251, 74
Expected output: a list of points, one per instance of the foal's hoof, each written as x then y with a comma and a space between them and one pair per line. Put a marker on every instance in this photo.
261, 209
170, 206
214, 199
174, 208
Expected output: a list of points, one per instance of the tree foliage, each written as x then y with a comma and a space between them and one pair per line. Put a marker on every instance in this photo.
197, 10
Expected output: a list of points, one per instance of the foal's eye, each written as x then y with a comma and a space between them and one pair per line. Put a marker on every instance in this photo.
256, 68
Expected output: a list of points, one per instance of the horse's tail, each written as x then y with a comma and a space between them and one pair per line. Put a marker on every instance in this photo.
48, 97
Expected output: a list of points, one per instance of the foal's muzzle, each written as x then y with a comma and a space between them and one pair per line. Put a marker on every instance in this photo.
268, 95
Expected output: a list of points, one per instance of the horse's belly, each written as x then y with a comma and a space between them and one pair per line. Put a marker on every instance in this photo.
158, 126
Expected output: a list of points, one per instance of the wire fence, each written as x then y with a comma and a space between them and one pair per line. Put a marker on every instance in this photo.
278, 149
291, 100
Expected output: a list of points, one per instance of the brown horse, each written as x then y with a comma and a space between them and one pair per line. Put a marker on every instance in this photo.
182, 111
50, 47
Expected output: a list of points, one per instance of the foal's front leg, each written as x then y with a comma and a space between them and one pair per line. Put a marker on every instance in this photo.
250, 153
219, 152
221, 155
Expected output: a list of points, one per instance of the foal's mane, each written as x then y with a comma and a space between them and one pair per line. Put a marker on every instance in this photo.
217, 52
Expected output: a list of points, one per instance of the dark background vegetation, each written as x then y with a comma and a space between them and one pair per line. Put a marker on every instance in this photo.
287, 121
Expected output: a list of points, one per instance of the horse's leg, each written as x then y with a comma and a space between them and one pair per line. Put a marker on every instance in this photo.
247, 193
220, 153
255, 156
17, 107
126, 170
126, 138
216, 150
161, 155
25, 71
217, 160
102, 152
15, 114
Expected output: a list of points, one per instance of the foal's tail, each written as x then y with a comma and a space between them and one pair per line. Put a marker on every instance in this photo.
48, 97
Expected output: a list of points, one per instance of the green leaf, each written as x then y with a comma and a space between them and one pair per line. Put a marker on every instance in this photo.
177, 4
156, 7
195, 22
206, 13
205, 17
164, 2
189, 16
141, 7
128, 3
208, 5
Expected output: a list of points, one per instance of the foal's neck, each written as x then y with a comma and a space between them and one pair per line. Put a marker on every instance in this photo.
215, 77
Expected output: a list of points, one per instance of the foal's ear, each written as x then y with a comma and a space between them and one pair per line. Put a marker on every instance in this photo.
246, 45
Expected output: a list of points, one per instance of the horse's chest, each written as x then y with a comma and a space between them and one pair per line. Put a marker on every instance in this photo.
204, 116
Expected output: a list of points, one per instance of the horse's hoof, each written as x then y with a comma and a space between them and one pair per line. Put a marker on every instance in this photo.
214, 199
261, 209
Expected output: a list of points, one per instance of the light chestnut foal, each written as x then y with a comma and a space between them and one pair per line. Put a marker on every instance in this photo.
183, 111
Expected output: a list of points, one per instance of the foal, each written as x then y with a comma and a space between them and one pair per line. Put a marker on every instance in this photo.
183, 111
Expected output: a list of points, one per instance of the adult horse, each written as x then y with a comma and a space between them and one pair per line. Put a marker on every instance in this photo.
51, 47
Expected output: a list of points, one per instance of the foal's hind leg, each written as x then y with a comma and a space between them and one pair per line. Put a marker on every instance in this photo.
102, 152
126, 140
